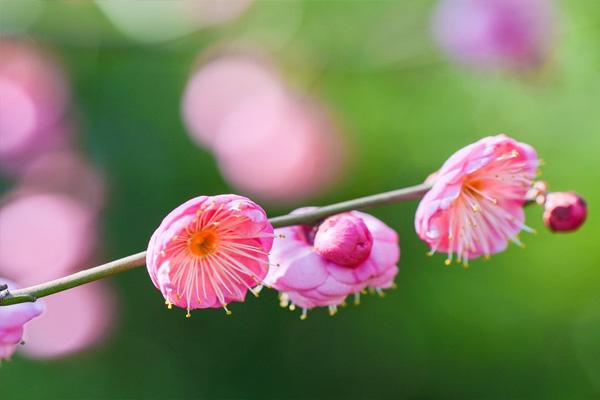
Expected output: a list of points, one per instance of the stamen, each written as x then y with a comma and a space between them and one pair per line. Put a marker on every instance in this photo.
283, 300
357, 298
516, 241
304, 314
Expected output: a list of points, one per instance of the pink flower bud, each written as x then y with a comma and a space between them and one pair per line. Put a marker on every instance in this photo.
564, 211
344, 239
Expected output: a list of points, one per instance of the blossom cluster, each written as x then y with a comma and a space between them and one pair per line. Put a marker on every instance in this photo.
211, 251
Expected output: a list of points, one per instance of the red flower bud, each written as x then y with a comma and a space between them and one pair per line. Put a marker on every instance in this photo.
564, 211
344, 239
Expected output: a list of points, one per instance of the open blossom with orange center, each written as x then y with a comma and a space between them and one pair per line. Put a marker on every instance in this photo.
210, 251
475, 206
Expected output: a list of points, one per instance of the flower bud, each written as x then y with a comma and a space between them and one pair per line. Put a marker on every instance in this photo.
564, 211
344, 239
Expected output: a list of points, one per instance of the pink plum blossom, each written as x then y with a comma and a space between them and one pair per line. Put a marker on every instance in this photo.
33, 98
476, 203
210, 251
43, 236
12, 321
73, 321
495, 33
564, 211
361, 252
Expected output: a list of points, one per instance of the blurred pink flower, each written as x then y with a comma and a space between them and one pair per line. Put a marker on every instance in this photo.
33, 97
307, 274
219, 87
73, 320
268, 142
279, 149
564, 211
68, 173
476, 204
12, 321
210, 251
43, 236
495, 33
18, 119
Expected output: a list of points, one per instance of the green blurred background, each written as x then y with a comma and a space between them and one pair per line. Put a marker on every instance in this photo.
526, 324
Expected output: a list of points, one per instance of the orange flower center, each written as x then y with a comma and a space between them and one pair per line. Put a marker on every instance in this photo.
204, 242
